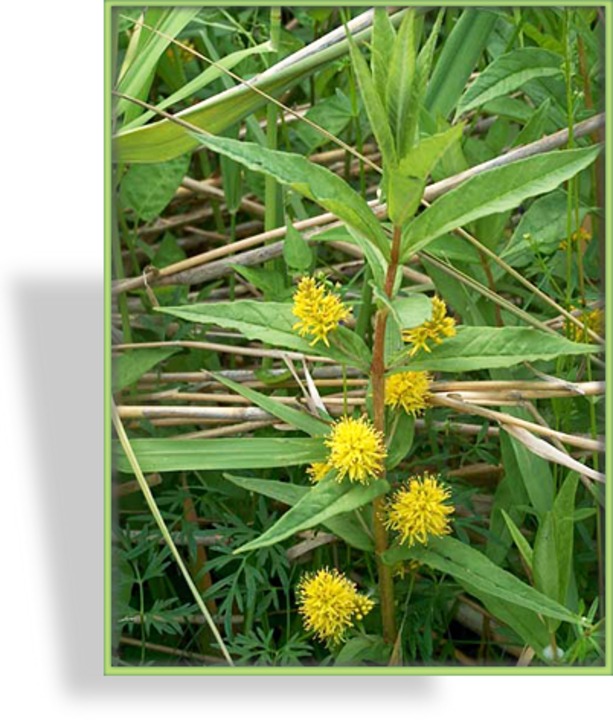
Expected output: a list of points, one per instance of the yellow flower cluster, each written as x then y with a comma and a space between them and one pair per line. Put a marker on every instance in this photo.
408, 390
577, 238
418, 510
318, 471
439, 326
329, 603
318, 310
594, 319
184, 52
357, 450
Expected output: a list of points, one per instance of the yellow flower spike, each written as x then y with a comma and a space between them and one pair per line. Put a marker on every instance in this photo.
582, 235
357, 450
329, 602
439, 326
319, 311
408, 390
418, 510
318, 471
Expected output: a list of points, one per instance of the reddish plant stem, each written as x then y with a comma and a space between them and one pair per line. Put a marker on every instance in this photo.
377, 377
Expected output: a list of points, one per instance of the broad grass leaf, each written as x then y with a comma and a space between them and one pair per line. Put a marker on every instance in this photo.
129, 366
494, 191
545, 562
165, 139
159, 455
345, 527
313, 181
324, 501
479, 348
273, 323
138, 77
301, 420
206, 77
466, 564
508, 73
148, 189
457, 60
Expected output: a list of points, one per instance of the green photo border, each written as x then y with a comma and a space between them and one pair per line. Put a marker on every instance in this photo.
110, 669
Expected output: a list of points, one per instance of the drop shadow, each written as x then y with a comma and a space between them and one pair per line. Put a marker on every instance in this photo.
61, 348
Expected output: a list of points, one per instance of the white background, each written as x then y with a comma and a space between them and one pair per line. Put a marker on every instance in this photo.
51, 434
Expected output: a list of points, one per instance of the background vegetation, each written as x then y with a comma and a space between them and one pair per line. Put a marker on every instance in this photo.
451, 154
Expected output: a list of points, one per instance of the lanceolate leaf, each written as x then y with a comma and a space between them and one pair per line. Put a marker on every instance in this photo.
383, 36
273, 323
375, 109
509, 72
468, 565
301, 420
324, 501
157, 455
399, 83
313, 181
345, 526
494, 191
478, 348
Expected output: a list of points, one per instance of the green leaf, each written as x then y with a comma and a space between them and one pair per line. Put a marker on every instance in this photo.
138, 77
508, 73
457, 59
157, 455
412, 310
526, 623
324, 501
296, 250
468, 565
147, 189
479, 348
345, 527
540, 229
522, 544
374, 257
273, 323
332, 114
129, 366
494, 191
206, 77
400, 77
510, 496
534, 472
375, 108
301, 420
420, 160
553, 545
403, 195
313, 181
165, 139
400, 439
422, 74
383, 36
